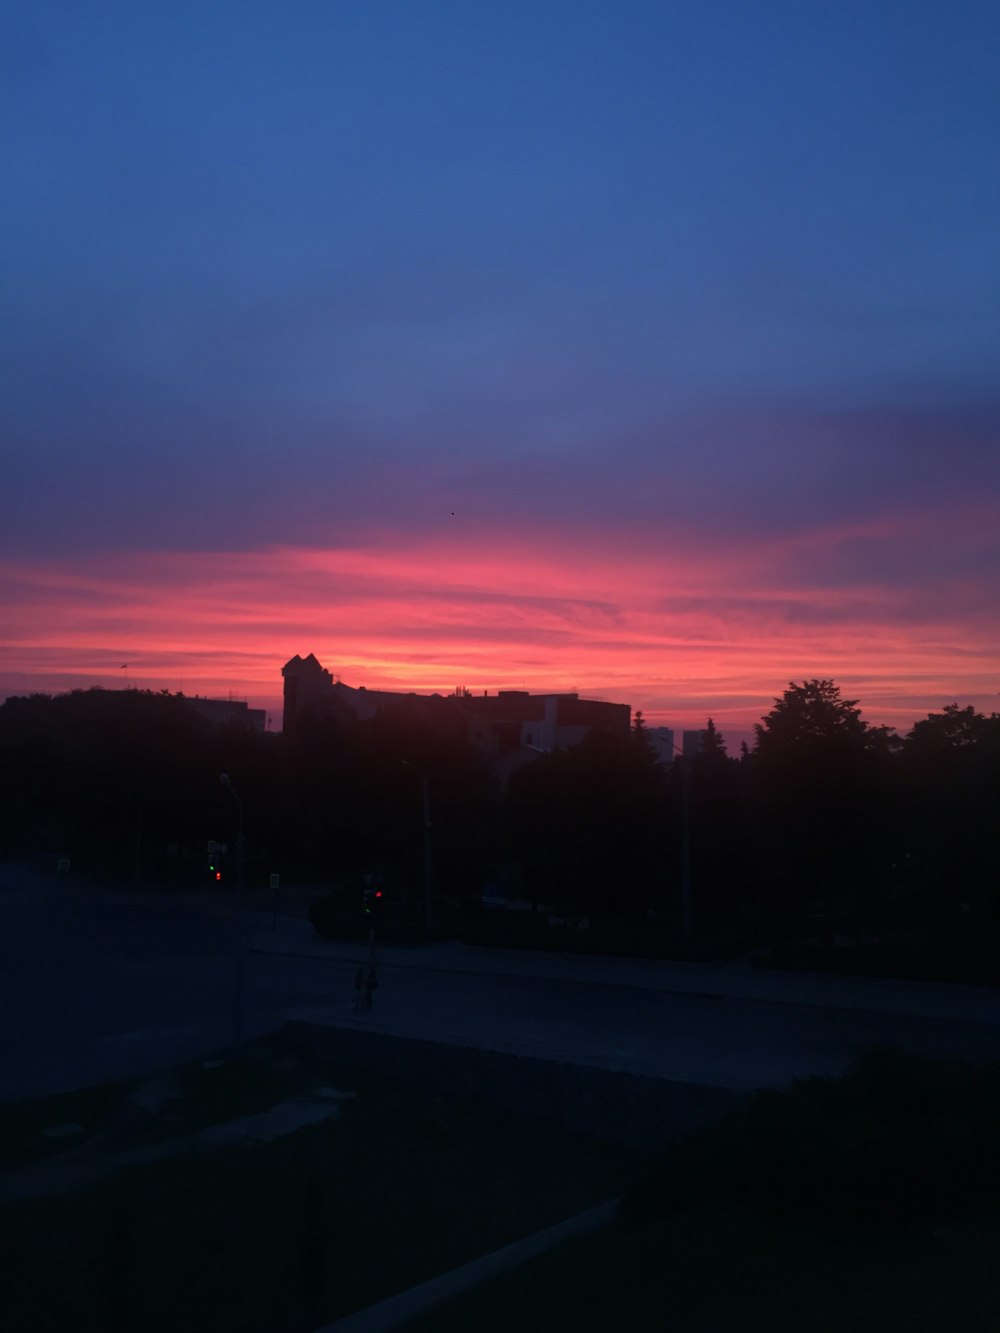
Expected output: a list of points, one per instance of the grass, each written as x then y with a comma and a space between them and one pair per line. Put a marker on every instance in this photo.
285, 1236
23, 1124
723, 1268
866, 1202
204, 1093
968, 957
211, 1092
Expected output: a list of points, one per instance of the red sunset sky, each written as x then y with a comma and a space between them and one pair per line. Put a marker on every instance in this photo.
681, 638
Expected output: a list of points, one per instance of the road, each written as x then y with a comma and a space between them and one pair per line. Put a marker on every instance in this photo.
717, 1040
97, 985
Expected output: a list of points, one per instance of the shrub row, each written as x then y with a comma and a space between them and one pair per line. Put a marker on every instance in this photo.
975, 961
899, 1136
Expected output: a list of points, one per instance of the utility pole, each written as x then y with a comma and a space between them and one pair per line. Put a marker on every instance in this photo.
238, 980
227, 783
425, 792
685, 767
425, 801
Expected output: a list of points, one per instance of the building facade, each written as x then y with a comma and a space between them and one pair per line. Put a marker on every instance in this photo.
662, 741
497, 724
692, 743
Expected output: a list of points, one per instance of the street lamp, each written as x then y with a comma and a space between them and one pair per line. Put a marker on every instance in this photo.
425, 793
685, 767
227, 783
683, 763
238, 985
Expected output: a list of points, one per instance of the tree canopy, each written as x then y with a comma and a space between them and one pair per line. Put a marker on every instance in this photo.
952, 729
809, 716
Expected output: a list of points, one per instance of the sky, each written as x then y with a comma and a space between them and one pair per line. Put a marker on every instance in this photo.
643, 349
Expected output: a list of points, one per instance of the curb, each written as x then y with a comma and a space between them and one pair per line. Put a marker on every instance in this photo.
926, 1006
610, 1062
396, 1310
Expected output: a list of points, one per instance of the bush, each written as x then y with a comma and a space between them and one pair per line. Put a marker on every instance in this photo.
972, 960
333, 917
899, 1136
509, 930
606, 937
334, 920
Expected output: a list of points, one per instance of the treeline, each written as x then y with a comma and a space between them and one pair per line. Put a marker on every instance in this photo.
127, 785
830, 841
826, 833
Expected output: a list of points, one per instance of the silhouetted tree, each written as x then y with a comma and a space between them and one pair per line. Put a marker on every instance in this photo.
810, 717
713, 747
824, 801
954, 728
586, 824
121, 781
640, 735
353, 793
719, 840
952, 855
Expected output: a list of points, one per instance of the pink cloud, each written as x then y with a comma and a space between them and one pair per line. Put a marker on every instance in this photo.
677, 630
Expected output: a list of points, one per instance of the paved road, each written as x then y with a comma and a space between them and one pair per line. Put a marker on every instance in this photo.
718, 1040
98, 985
89, 985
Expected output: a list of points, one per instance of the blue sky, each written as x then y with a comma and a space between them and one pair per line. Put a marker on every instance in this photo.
635, 277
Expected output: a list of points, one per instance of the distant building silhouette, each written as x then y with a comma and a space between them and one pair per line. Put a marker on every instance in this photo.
692, 743
498, 724
219, 712
307, 686
312, 692
662, 741
229, 712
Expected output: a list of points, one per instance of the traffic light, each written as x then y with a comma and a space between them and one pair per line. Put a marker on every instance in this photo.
370, 900
216, 851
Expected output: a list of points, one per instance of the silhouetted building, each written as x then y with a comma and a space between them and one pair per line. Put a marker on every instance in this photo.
496, 724
307, 686
229, 713
515, 719
219, 712
312, 692
692, 743
662, 741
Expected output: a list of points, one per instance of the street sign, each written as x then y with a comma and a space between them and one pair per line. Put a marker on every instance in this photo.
276, 882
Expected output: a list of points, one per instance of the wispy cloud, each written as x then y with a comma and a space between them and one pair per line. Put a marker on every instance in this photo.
680, 635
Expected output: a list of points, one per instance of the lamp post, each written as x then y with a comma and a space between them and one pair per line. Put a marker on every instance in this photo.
238, 984
227, 783
683, 764
685, 767
425, 795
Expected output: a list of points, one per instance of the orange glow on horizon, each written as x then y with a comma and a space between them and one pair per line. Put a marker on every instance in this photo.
679, 634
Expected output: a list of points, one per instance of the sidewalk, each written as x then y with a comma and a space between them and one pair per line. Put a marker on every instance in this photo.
287, 931
730, 979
